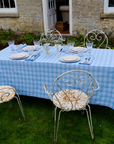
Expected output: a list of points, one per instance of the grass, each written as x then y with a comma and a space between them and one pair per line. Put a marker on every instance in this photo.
38, 128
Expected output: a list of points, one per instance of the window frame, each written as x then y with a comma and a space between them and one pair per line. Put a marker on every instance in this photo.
9, 10
108, 9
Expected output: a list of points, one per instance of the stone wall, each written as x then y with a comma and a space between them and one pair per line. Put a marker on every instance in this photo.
89, 15
86, 15
30, 17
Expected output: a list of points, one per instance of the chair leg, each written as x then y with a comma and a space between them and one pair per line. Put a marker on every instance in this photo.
89, 117
56, 125
10, 104
20, 105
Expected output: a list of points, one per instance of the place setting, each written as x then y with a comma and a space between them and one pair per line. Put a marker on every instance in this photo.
75, 54
88, 58
27, 52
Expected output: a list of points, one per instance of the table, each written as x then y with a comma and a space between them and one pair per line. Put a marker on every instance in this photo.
28, 77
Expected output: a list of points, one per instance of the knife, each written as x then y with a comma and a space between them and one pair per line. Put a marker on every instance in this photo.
88, 59
34, 56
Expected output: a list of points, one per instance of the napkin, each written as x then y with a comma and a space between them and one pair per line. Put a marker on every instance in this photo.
24, 45
33, 58
89, 62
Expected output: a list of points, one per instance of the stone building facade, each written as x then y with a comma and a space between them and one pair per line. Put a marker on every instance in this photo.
89, 15
29, 17
86, 15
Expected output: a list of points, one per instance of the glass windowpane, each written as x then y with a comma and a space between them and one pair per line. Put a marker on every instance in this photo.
1, 4
12, 3
7, 3
111, 3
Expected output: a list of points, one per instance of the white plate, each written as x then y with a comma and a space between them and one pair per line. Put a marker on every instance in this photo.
19, 56
69, 58
26, 48
75, 49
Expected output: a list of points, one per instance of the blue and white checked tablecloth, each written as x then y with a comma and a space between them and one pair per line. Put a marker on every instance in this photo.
28, 77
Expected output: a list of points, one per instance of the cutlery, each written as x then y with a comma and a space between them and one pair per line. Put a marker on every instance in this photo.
85, 60
61, 49
30, 57
34, 56
88, 59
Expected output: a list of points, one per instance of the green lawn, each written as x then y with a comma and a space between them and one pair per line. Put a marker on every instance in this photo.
38, 128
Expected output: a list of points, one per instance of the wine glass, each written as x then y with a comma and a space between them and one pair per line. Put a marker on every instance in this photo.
37, 44
89, 47
11, 44
71, 45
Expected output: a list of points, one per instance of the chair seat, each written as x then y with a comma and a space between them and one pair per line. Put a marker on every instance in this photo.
9, 93
78, 98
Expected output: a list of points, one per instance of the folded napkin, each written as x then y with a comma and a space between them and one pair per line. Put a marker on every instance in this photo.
33, 57
85, 61
24, 45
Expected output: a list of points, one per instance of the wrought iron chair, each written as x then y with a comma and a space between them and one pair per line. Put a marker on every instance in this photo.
72, 91
98, 36
7, 93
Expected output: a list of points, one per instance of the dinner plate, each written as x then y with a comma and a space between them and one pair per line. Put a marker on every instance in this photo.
70, 58
26, 48
75, 49
19, 56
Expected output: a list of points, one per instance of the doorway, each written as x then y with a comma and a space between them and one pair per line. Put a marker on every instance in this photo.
52, 13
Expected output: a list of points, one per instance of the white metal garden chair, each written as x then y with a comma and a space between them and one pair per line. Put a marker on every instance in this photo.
7, 93
98, 36
72, 91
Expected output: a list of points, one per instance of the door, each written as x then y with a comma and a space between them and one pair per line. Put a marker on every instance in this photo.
51, 13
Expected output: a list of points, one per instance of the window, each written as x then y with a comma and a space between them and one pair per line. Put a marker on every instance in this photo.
8, 6
108, 6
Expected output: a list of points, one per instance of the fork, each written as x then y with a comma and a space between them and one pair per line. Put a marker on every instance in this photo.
85, 60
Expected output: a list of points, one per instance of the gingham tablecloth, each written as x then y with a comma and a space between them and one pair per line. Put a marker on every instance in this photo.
28, 77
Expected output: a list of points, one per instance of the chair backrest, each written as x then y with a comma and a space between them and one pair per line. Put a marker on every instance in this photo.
77, 80
97, 36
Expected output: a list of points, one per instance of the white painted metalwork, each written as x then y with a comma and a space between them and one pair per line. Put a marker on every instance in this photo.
7, 93
97, 35
72, 91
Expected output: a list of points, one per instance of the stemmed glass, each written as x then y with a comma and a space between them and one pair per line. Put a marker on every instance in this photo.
70, 45
37, 44
89, 47
11, 44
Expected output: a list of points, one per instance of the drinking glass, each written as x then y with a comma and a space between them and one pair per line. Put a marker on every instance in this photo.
11, 44
89, 47
70, 45
19, 48
80, 52
30, 50
66, 48
37, 44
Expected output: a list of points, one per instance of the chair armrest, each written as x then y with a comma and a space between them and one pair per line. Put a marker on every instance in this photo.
97, 86
47, 91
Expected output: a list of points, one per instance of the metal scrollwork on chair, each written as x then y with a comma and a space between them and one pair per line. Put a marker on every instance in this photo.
72, 91
99, 36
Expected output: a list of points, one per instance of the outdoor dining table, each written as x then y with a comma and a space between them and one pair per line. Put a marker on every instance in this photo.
28, 77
